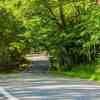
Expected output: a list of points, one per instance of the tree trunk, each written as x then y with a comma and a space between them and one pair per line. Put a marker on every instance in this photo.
61, 11
98, 2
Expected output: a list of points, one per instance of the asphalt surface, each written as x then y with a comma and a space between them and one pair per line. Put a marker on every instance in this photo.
46, 87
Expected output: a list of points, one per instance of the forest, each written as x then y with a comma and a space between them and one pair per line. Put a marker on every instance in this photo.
69, 30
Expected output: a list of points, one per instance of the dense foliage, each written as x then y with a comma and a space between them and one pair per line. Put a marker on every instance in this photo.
68, 29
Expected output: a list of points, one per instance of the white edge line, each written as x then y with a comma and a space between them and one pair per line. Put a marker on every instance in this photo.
67, 87
83, 87
6, 94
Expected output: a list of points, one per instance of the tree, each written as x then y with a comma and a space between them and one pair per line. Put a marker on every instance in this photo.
64, 28
98, 1
68, 30
10, 29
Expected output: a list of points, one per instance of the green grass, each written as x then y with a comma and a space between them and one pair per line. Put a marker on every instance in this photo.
90, 72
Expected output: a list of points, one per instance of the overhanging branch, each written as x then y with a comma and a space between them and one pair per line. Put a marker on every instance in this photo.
52, 13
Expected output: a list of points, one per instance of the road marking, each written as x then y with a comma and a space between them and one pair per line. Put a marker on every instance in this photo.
41, 87
8, 95
66, 87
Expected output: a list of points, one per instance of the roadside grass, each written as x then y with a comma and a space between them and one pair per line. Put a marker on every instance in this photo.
74, 74
90, 72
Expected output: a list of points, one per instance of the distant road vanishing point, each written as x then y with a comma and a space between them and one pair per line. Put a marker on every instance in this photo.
40, 62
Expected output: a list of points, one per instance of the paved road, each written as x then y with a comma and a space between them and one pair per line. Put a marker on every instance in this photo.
46, 87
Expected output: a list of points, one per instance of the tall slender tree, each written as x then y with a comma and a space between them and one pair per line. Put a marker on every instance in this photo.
98, 2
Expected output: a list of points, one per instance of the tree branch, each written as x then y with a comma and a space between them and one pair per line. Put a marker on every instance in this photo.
98, 2
61, 11
52, 13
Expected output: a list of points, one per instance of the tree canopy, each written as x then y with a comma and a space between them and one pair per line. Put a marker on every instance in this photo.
68, 29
